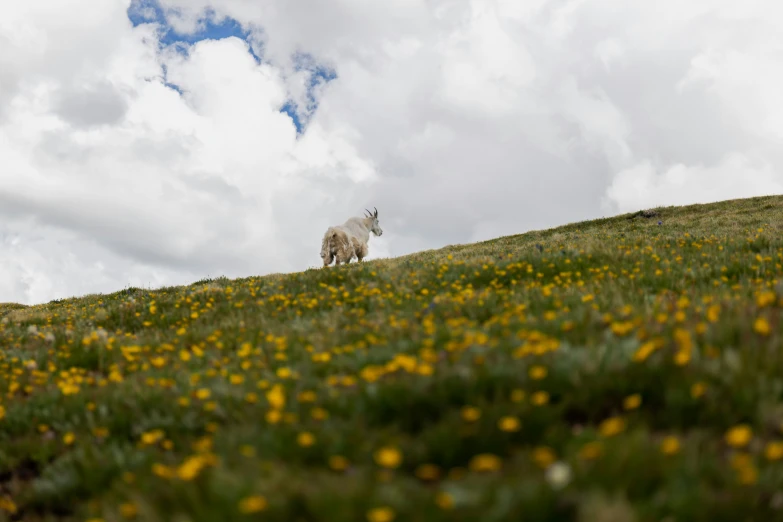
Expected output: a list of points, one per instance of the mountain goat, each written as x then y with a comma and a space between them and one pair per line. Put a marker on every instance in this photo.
342, 243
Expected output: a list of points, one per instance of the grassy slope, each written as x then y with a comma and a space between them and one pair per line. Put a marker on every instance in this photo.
436, 386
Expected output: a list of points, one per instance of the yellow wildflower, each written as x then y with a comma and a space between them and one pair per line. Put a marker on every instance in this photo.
539, 398
632, 401
684, 339
388, 457
682, 357
739, 436
202, 445
276, 397
761, 326
748, 475
509, 424
189, 469
470, 414
151, 437
612, 426
338, 463
591, 450
746, 471
537, 372
128, 510
6, 504
543, 456
162, 471
485, 462
645, 351
319, 413
380, 514
307, 396
621, 328
305, 439
698, 389
766, 298
774, 450
252, 504
670, 445
444, 500
712, 313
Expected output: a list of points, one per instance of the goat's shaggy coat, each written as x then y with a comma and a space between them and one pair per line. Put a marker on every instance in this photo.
341, 243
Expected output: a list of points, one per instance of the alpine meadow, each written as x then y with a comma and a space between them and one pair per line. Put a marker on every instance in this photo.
627, 369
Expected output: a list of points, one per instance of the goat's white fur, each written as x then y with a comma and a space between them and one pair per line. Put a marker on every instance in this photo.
341, 243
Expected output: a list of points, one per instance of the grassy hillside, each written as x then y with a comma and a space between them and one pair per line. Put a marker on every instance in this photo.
624, 369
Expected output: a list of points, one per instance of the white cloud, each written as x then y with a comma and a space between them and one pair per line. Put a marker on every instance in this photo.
736, 176
459, 120
746, 83
483, 70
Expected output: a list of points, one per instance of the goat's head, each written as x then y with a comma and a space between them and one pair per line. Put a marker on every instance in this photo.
375, 228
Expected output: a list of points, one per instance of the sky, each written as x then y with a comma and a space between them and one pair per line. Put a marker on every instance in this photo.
151, 143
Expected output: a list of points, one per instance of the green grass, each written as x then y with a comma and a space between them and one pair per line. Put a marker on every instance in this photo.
644, 359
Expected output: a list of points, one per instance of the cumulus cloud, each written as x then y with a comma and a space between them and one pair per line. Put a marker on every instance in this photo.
736, 176
131, 158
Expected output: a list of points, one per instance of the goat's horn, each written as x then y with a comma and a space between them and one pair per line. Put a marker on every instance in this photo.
376, 212
368, 212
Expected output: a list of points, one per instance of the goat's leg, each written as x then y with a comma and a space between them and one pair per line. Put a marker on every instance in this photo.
344, 254
356, 250
362, 252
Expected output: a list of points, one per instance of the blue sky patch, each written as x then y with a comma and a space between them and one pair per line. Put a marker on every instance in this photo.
150, 11
319, 75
